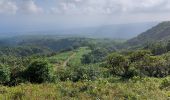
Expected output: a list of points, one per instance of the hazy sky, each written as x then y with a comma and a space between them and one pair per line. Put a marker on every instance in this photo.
33, 15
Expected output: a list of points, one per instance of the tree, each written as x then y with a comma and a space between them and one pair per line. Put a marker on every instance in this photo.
153, 66
119, 64
39, 72
97, 55
76, 74
159, 49
168, 46
87, 59
138, 55
4, 74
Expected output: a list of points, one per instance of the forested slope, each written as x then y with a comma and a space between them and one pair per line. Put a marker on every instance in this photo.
160, 32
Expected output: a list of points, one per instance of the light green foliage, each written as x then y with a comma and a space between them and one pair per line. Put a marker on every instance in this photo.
60, 57
76, 60
105, 89
165, 84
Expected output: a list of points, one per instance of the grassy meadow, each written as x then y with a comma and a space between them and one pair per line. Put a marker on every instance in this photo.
101, 89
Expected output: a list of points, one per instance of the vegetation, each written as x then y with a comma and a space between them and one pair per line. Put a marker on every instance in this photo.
97, 55
39, 72
111, 88
83, 68
4, 74
158, 33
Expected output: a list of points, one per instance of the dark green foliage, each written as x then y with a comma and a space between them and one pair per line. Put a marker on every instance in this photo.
140, 63
87, 59
56, 44
152, 66
4, 74
17, 76
22, 51
148, 65
119, 64
168, 46
39, 72
157, 48
97, 55
78, 73
138, 55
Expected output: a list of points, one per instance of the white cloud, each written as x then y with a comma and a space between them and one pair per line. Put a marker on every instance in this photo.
29, 7
112, 6
102, 7
19, 6
7, 7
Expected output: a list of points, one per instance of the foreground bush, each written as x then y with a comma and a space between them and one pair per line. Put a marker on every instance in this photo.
76, 74
39, 72
120, 65
16, 75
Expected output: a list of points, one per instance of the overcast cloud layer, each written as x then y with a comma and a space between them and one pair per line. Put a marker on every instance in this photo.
84, 6
28, 14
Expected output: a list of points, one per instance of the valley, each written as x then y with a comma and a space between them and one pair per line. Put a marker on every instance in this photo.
80, 68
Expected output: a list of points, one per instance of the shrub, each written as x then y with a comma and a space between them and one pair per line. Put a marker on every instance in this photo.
97, 55
157, 48
4, 74
39, 72
63, 74
87, 59
78, 73
16, 75
85, 73
153, 66
138, 55
119, 64
165, 83
138, 63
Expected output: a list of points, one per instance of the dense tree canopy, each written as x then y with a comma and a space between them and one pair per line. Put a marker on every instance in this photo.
39, 72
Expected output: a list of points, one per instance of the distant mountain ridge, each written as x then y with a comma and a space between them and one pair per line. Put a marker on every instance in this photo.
160, 32
115, 31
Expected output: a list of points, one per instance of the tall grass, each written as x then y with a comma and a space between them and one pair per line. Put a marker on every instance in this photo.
103, 89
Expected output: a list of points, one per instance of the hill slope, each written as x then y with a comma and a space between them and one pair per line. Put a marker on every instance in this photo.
160, 32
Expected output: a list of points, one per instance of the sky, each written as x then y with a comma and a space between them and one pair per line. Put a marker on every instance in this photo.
34, 15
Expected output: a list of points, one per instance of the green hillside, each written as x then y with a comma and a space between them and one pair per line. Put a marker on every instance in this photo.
49, 68
160, 32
